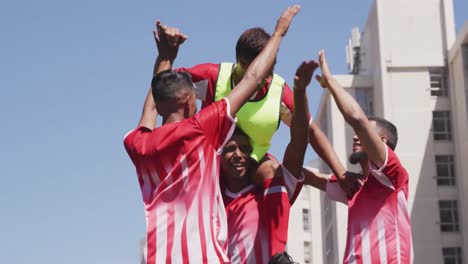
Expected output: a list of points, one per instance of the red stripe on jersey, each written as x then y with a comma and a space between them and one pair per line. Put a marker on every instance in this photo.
374, 243
185, 254
201, 227
258, 249
170, 232
151, 239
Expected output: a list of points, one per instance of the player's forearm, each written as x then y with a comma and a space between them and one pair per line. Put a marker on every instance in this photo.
347, 105
315, 179
300, 120
324, 149
149, 114
162, 64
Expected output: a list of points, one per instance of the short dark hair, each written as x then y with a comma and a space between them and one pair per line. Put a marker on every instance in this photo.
251, 43
239, 132
166, 84
388, 129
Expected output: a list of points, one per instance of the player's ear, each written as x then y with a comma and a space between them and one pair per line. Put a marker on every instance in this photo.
186, 103
384, 139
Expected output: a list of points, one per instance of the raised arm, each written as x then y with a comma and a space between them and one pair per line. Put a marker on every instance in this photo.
353, 114
168, 40
262, 63
295, 151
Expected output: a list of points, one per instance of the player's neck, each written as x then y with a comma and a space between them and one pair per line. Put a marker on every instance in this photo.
172, 118
236, 185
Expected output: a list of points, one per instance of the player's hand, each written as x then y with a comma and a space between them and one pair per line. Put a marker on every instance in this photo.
304, 74
326, 73
351, 182
284, 21
168, 40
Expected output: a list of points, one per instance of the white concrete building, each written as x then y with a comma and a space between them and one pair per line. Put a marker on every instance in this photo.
407, 66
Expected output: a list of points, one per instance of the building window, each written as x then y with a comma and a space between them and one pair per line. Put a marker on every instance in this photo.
364, 97
438, 78
306, 219
441, 125
307, 252
445, 170
448, 211
452, 255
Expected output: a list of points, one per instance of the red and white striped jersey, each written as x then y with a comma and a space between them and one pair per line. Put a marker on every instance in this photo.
178, 168
379, 228
249, 239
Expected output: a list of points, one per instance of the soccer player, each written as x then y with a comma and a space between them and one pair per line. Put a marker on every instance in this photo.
379, 228
252, 237
178, 163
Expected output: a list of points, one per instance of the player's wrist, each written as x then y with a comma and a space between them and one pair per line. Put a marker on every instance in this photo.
299, 87
278, 34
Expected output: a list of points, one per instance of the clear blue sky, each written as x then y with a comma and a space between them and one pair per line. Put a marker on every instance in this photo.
73, 77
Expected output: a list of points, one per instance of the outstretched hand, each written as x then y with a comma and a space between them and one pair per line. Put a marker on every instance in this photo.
168, 40
304, 74
284, 21
326, 73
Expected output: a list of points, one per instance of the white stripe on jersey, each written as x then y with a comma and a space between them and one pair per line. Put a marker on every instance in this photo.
365, 244
231, 129
382, 241
397, 235
351, 252
402, 212
194, 249
185, 174
157, 182
265, 247
249, 250
168, 169
275, 189
146, 188
206, 200
161, 233
221, 233
236, 257
179, 217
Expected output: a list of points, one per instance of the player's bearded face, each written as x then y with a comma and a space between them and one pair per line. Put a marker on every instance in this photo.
235, 160
356, 144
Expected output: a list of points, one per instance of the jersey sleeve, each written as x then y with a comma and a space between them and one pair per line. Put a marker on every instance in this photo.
334, 191
216, 123
391, 173
204, 77
287, 183
293, 185
135, 143
287, 105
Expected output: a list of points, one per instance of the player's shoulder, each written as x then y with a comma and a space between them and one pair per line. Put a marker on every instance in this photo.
208, 66
393, 159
